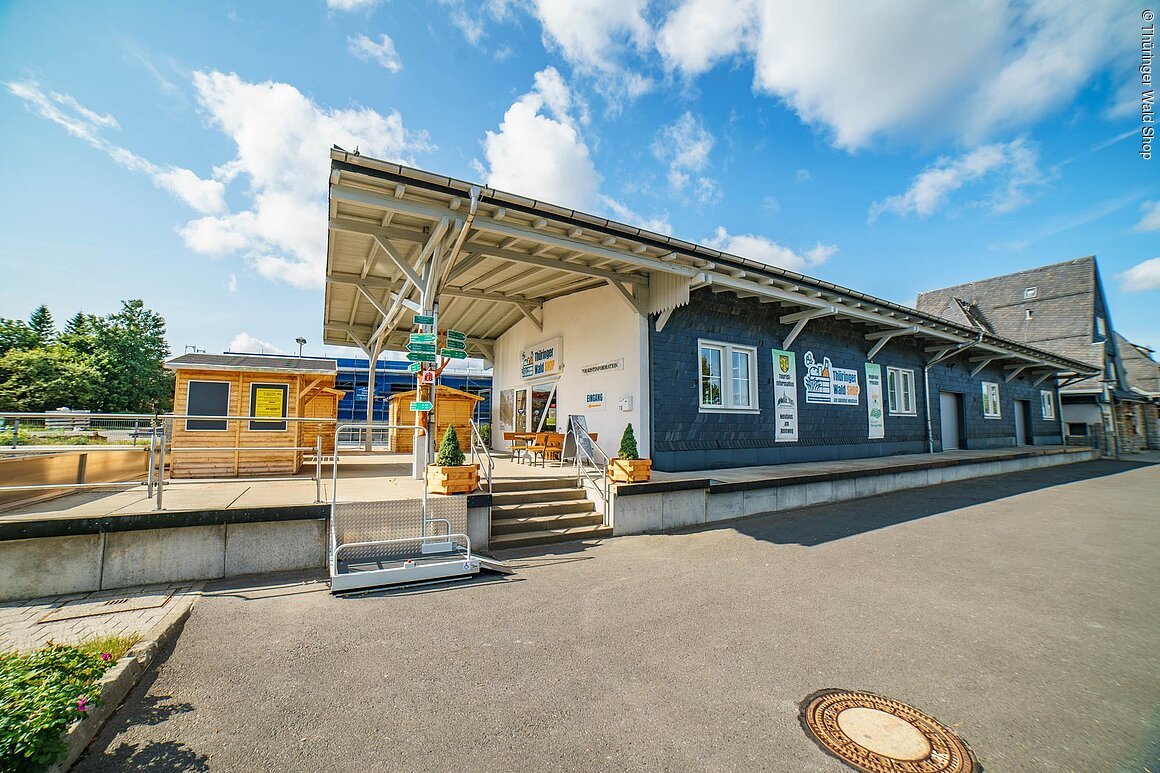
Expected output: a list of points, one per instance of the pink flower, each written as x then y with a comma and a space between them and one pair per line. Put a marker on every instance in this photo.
105, 656
82, 704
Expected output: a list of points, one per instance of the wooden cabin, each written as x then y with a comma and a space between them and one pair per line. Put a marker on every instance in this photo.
270, 387
451, 407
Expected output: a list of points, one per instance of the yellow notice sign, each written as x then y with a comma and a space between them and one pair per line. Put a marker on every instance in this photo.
268, 402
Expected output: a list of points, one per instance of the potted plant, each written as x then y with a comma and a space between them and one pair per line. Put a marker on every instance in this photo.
628, 467
450, 474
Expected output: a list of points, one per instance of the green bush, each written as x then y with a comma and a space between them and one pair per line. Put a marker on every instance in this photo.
41, 694
485, 434
628, 445
449, 454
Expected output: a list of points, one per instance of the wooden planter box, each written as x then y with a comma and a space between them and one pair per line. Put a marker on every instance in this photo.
629, 470
452, 480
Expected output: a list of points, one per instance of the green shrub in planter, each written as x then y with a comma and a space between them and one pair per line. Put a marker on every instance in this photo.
449, 454
628, 445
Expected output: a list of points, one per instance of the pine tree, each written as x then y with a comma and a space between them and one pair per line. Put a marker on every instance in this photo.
42, 325
449, 454
628, 448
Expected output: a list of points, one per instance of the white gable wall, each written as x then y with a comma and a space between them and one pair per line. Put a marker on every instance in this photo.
594, 326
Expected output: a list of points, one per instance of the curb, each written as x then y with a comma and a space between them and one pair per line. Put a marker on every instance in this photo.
119, 680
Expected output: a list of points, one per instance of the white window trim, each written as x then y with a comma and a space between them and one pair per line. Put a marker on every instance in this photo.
229, 399
1046, 401
910, 392
998, 414
727, 377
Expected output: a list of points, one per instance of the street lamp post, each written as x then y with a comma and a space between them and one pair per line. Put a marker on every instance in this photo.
301, 342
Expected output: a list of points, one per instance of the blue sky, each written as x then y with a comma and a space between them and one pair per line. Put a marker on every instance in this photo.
177, 152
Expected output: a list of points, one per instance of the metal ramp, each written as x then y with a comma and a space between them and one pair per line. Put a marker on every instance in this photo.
396, 542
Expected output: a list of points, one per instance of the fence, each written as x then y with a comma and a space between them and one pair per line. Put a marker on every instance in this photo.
130, 430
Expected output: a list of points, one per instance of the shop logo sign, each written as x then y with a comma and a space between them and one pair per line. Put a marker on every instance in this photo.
826, 384
540, 360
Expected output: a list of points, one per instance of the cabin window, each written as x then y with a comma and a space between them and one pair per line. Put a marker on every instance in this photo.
1047, 399
728, 376
207, 398
900, 392
268, 401
991, 400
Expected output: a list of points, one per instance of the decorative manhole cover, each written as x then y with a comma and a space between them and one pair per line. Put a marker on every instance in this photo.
880, 735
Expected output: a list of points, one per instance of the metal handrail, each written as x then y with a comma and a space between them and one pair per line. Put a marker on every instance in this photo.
475, 436
601, 482
378, 543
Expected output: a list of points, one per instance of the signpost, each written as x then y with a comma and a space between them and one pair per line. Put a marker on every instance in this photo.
421, 405
421, 357
414, 347
422, 338
454, 354
422, 319
415, 367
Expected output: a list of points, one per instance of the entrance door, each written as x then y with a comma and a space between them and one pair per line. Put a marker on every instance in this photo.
949, 417
543, 414
1021, 411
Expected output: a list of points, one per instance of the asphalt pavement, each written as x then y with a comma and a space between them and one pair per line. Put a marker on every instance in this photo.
1022, 611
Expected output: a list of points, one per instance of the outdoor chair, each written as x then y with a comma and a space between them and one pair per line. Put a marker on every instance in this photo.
554, 446
539, 447
519, 445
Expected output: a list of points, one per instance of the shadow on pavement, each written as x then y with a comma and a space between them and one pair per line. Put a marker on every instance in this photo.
820, 524
155, 755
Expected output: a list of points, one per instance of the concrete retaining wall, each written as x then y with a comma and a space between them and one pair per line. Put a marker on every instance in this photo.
51, 566
667, 510
68, 466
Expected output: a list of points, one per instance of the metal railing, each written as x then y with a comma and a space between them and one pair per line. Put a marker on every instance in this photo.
160, 443
598, 475
477, 457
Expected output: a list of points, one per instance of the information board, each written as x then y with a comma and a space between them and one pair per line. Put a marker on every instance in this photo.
268, 401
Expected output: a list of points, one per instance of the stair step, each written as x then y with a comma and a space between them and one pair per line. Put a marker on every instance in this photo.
535, 523
542, 508
546, 495
532, 484
547, 536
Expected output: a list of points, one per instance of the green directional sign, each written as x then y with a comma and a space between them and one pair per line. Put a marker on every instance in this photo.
421, 405
421, 356
455, 335
421, 319
415, 367
413, 347
422, 338
454, 354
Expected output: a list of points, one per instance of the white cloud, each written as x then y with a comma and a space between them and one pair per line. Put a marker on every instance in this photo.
1142, 276
538, 151
770, 252
232, 283
1150, 221
244, 342
282, 139
382, 53
685, 146
698, 33
1015, 164
350, 5
591, 33
206, 196
802, 176
957, 70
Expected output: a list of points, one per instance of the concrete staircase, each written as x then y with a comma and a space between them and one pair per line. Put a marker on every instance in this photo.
538, 511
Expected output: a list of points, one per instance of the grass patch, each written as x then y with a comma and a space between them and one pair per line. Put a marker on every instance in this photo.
42, 693
114, 646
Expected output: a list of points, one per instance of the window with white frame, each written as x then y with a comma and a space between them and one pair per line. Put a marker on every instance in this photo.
1047, 399
728, 376
991, 400
900, 391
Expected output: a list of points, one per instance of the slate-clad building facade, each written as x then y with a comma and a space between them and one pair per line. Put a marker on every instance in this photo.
686, 436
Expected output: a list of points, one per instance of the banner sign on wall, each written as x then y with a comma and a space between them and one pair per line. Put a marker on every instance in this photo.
874, 400
827, 384
540, 360
785, 396
594, 401
617, 364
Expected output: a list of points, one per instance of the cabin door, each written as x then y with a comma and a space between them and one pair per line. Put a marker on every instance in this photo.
1021, 412
949, 420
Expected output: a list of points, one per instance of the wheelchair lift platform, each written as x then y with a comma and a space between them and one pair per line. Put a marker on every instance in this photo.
396, 542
